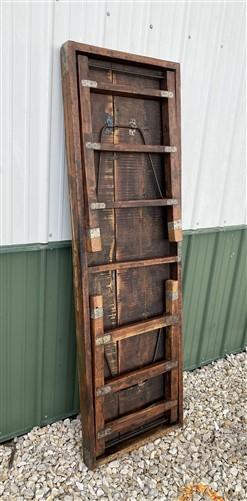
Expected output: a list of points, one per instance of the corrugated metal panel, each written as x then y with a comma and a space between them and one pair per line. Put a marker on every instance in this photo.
207, 38
215, 295
38, 382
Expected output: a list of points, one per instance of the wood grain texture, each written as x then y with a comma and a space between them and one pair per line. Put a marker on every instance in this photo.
140, 417
97, 328
124, 90
80, 277
93, 241
125, 183
137, 377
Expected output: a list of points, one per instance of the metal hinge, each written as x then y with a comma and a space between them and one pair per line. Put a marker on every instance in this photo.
103, 340
104, 433
98, 205
103, 390
170, 149
89, 83
166, 93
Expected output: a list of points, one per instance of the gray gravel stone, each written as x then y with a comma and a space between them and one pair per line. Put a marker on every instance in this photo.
210, 449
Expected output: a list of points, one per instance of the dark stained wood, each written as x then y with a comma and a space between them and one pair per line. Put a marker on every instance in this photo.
171, 348
140, 417
118, 56
93, 241
129, 148
124, 161
126, 265
123, 90
124, 332
80, 277
172, 171
124, 204
136, 377
97, 328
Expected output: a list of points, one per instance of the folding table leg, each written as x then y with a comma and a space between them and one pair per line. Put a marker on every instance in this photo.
93, 231
171, 346
97, 326
172, 168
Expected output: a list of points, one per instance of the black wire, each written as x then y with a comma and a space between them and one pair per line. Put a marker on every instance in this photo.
144, 142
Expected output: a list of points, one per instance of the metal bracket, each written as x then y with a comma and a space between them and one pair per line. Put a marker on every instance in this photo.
103, 340
89, 83
172, 295
93, 146
97, 205
93, 233
103, 390
170, 149
175, 225
96, 312
104, 433
166, 93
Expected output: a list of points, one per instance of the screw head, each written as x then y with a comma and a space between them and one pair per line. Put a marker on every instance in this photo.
108, 13
151, 26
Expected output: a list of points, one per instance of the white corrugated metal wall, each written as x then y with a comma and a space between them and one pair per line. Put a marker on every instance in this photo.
207, 38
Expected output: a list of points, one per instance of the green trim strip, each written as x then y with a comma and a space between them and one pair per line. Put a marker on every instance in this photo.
217, 229
6, 249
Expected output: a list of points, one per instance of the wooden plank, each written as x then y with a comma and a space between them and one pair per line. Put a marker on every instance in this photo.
93, 231
114, 56
130, 148
136, 328
172, 163
135, 377
125, 265
137, 418
97, 328
178, 268
80, 276
126, 204
172, 344
124, 90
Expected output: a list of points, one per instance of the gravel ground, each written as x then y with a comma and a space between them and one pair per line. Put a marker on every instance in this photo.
210, 450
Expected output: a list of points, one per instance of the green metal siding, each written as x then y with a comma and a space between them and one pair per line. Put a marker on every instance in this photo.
214, 295
37, 341
38, 381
